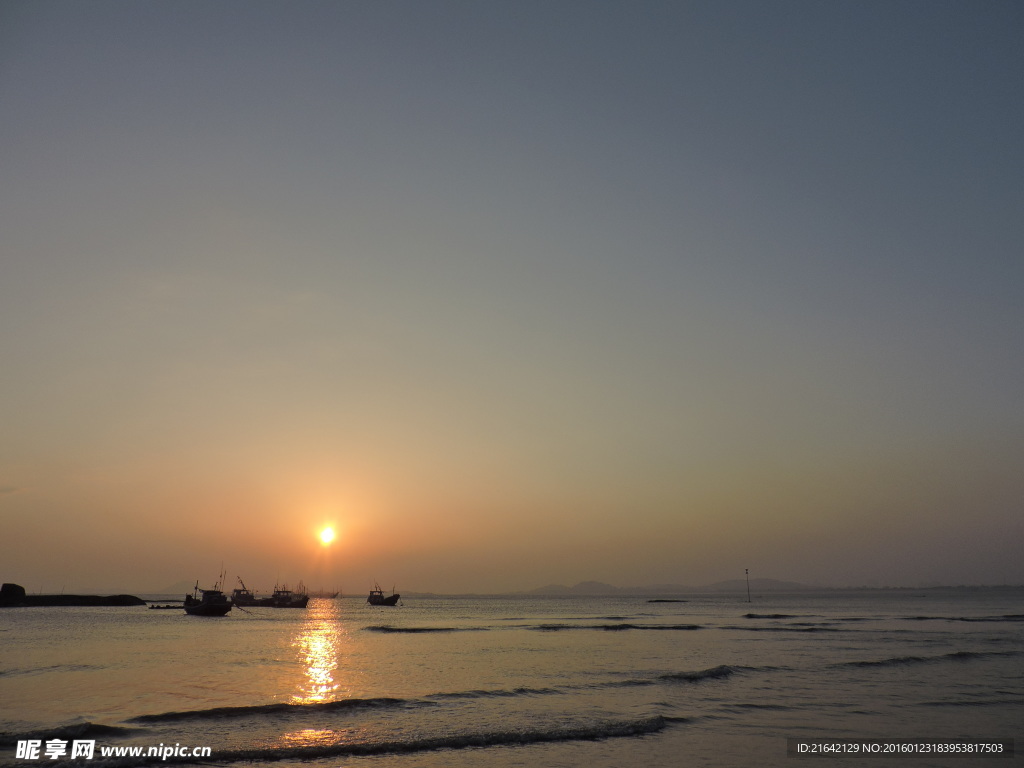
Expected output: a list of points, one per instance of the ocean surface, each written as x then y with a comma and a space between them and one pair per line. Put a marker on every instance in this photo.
479, 681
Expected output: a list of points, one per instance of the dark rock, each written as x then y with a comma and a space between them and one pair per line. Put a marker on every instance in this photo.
12, 595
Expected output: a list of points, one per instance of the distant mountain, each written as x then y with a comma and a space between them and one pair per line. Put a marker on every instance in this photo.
732, 585
758, 585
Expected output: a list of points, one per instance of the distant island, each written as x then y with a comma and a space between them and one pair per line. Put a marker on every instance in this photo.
14, 596
731, 585
736, 586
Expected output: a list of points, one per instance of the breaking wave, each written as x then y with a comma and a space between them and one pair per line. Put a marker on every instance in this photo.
67, 732
356, 704
609, 729
272, 709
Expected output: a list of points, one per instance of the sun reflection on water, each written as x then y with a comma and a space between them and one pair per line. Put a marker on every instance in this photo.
319, 642
309, 737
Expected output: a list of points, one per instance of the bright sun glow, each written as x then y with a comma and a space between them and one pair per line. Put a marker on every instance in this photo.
326, 536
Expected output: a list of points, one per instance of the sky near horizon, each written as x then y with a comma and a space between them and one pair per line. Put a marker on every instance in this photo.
511, 293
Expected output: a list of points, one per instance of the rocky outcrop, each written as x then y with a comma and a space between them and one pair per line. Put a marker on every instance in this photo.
13, 596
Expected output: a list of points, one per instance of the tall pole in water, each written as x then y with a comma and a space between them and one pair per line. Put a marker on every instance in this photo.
747, 572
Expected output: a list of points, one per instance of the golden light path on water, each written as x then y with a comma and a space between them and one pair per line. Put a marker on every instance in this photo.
319, 644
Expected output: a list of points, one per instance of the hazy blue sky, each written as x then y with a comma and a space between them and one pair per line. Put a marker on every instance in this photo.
511, 293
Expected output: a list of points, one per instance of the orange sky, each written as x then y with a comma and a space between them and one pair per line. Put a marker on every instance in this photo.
509, 298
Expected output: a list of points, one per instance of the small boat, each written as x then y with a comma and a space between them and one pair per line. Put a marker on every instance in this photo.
164, 607
212, 603
377, 596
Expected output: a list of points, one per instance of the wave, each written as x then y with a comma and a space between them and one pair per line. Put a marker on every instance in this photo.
609, 729
700, 675
355, 704
44, 670
272, 709
617, 627
387, 628
555, 627
694, 677
1003, 617
799, 616
790, 629
670, 677
84, 730
976, 703
899, 661
498, 693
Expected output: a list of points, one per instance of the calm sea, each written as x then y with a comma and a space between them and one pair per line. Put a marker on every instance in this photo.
596, 682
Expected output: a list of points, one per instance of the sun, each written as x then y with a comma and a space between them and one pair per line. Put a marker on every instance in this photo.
326, 536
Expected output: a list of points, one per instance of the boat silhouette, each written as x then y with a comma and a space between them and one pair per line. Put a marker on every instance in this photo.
282, 597
212, 603
377, 596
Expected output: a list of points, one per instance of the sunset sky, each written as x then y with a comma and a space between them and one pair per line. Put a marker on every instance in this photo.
511, 293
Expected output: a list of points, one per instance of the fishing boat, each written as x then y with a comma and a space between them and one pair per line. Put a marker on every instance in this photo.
282, 597
244, 596
377, 596
285, 598
212, 603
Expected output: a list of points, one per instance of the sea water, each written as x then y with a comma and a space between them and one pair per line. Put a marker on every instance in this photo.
600, 682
